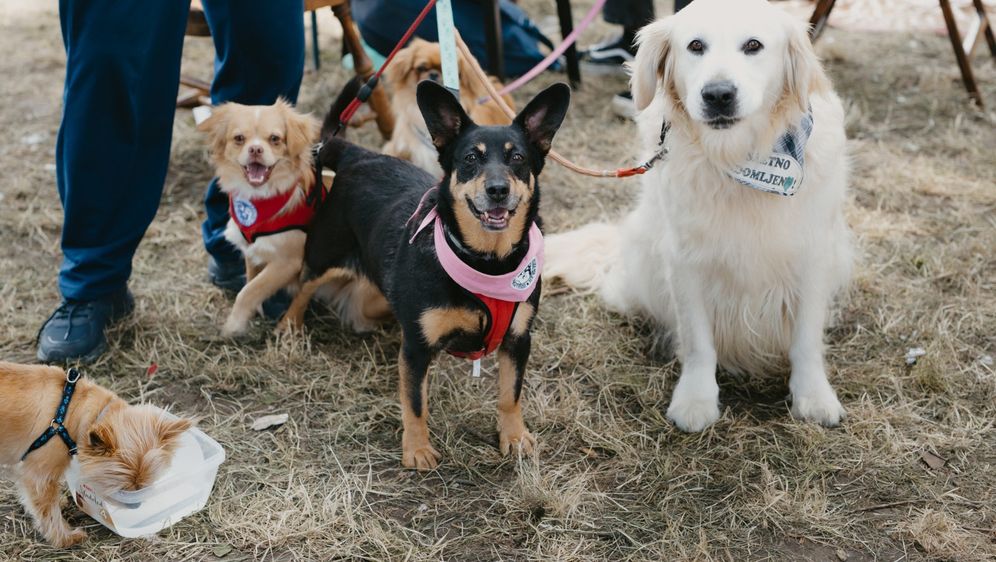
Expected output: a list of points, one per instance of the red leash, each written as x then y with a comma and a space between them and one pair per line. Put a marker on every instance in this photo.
368, 87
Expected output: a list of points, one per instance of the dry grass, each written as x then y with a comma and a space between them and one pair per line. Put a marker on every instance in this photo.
613, 479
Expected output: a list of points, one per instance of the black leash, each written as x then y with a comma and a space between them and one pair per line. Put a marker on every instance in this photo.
72, 377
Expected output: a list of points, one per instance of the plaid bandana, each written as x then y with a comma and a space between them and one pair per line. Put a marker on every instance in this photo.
781, 171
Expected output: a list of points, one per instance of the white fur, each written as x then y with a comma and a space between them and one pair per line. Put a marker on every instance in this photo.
743, 279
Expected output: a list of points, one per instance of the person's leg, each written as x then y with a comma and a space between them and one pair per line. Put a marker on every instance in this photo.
611, 54
260, 57
122, 72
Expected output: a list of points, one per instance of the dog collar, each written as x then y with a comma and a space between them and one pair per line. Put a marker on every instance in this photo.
782, 170
56, 428
257, 217
515, 286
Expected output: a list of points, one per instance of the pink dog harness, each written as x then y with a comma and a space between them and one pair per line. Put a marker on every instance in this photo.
499, 293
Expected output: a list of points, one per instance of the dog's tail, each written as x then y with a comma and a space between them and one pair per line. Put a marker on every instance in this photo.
584, 258
331, 124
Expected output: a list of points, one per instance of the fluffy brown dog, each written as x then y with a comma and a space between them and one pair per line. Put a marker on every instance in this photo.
120, 447
264, 164
419, 61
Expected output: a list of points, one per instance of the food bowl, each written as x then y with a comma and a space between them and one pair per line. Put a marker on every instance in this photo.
183, 489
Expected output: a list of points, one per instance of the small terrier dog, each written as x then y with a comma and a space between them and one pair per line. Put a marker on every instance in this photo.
263, 162
419, 61
119, 446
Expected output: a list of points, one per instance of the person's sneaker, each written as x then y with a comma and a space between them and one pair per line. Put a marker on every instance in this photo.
608, 57
75, 331
622, 105
231, 277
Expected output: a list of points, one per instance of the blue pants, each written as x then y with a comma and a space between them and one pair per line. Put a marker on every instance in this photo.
122, 76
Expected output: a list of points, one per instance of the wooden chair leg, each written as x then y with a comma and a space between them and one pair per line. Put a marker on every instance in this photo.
986, 27
315, 54
364, 69
493, 38
960, 55
818, 21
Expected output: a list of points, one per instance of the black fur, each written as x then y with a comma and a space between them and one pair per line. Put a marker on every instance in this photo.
363, 224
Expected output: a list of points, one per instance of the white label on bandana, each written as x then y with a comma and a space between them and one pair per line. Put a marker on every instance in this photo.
780, 173
245, 212
525, 278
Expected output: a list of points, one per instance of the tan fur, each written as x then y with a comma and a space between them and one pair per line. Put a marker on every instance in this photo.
475, 236
416, 452
412, 65
523, 317
437, 323
273, 262
127, 448
512, 430
359, 302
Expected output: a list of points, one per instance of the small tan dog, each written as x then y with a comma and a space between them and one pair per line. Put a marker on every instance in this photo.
119, 446
419, 61
263, 161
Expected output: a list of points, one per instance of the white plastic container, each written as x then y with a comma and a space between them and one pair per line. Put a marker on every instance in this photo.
182, 490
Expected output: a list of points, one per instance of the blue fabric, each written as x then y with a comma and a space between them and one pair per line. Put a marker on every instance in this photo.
383, 22
122, 75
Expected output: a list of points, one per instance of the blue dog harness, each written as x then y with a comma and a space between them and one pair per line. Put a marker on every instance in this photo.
72, 377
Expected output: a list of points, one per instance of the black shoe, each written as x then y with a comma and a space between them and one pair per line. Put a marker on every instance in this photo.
229, 276
609, 56
75, 331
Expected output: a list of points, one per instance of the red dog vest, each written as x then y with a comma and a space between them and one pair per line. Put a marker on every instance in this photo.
501, 313
262, 217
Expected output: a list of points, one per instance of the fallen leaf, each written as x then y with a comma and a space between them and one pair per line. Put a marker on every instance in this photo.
266, 422
590, 453
221, 550
933, 461
153, 368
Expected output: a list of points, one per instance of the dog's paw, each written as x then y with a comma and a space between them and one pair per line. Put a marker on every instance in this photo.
421, 458
289, 326
517, 440
74, 537
234, 328
692, 415
818, 404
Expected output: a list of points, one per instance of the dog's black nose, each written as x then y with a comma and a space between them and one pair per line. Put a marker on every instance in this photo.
434, 76
498, 192
720, 98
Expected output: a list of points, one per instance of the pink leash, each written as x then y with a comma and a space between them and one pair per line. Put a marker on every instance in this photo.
543, 64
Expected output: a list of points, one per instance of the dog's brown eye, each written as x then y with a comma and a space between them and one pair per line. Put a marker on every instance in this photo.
697, 47
239, 139
274, 139
753, 46
422, 68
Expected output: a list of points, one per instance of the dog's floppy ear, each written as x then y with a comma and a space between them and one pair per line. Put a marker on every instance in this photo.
402, 64
803, 73
302, 129
216, 127
443, 114
101, 441
543, 115
652, 64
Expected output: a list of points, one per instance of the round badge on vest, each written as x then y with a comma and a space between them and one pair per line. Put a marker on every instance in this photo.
245, 212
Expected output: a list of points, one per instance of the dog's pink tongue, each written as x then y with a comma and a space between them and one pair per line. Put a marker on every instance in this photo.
497, 213
256, 172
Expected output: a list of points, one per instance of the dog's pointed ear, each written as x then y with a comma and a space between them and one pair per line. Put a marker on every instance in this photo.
803, 73
171, 429
443, 114
543, 115
652, 65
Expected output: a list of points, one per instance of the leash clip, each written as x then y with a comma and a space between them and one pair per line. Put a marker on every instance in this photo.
73, 375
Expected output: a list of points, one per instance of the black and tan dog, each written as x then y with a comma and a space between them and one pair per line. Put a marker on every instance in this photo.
369, 230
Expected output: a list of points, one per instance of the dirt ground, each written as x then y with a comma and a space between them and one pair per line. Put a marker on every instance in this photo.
612, 478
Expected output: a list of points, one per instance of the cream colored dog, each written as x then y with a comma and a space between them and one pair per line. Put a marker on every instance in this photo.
742, 277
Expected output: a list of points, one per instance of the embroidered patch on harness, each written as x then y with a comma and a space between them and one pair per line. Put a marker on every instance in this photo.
526, 277
245, 212
782, 171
